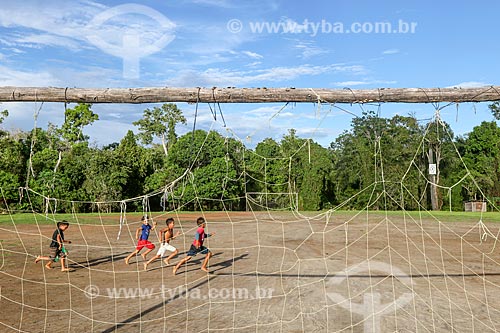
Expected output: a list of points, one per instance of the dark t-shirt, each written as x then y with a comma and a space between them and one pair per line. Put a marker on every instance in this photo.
54, 237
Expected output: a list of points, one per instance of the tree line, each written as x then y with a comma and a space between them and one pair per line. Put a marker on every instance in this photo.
375, 158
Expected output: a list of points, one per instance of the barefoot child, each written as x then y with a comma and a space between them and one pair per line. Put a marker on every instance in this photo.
142, 235
197, 247
166, 235
57, 250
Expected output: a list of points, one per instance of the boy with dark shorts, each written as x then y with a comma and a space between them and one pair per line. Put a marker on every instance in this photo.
142, 235
197, 247
57, 250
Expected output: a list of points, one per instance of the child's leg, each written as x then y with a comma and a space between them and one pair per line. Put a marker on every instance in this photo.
63, 266
180, 263
150, 261
49, 263
146, 253
167, 260
37, 260
205, 262
131, 255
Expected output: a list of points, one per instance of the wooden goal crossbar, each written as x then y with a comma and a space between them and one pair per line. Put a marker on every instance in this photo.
248, 95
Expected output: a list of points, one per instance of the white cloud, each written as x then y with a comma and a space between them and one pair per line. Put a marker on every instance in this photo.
114, 119
265, 5
391, 51
214, 3
264, 111
254, 64
60, 76
361, 82
226, 77
104, 132
66, 18
309, 50
37, 40
67, 24
470, 84
11, 77
291, 26
252, 54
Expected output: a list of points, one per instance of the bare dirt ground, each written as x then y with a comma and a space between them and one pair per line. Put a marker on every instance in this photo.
269, 273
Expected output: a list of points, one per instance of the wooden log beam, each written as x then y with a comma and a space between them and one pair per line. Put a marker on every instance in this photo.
247, 95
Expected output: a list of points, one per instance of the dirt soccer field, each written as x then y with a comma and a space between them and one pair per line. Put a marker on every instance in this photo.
283, 272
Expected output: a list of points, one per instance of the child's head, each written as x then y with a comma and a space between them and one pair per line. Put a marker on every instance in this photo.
200, 222
170, 223
144, 219
63, 225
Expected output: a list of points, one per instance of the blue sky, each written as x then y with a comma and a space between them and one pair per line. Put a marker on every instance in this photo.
189, 43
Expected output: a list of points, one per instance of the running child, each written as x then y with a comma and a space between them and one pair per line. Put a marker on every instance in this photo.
57, 250
197, 247
166, 235
142, 235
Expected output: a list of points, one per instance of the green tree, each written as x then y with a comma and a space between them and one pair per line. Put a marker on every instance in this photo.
267, 168
357, 164
495, 110
137, 163
215, 164
438, 140
12, 168
382, 154
105, 176
160, 122
482, 157
307, 167
3, 114
75, 120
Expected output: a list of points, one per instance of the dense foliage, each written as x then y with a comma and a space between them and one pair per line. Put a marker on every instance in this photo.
375, 158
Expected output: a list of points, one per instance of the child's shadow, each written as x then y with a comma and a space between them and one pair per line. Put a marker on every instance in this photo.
97, 261
227, 263
222, 264
174, 261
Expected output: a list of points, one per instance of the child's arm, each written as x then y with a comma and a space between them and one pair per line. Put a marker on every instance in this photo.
154, 225
137, 233
59, 241
173, 236
162, 235
210, 235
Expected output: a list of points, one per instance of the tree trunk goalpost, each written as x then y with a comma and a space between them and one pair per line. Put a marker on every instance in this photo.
247, 95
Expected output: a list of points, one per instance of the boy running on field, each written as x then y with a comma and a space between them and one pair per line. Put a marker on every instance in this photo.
57, 247
197, 246
166, 235
142, 235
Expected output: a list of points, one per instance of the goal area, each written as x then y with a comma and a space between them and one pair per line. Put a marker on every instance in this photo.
339, 211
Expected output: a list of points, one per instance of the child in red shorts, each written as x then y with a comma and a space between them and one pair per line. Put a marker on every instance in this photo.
142, 235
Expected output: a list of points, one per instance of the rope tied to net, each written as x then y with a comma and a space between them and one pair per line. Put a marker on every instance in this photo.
145, 206
21, 194
319, 100
484, 232
33, 139
123, 217
164, 198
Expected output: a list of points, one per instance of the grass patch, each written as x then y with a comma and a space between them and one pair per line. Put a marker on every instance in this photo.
114, 218
51, 219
